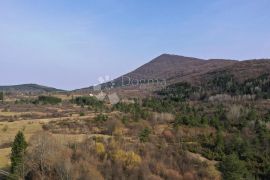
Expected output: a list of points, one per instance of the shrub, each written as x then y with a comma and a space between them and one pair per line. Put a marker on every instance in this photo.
135, 110
47, 100
92, 102
132, 159
144, 134
125, 119
101, 118
100, 149
129, 159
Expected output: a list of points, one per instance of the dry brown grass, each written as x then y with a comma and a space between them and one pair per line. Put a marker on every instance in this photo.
28, 127
211, 165
3, 113
7, 135
8, 130
4, 157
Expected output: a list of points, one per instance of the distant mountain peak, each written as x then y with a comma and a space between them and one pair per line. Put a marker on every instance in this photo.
30, 87
166, 55
176, 68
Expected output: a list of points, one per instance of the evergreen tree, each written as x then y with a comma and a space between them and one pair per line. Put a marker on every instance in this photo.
2, 96
144, 134
233, 168
219, 144
17, 154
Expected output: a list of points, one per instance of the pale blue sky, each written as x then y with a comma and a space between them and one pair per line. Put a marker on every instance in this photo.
70, 43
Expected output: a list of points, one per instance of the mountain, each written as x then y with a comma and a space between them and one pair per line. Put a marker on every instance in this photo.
26, 88
174, 69
165, 66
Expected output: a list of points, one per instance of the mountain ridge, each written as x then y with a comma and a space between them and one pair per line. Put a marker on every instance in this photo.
173, 69
30, 87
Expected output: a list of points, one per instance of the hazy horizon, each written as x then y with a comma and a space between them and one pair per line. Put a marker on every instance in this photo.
70, 44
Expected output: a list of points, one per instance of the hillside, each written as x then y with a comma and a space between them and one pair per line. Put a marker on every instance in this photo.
26, 88
174, 68
243, 70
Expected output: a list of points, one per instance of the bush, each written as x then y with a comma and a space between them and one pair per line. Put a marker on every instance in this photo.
135, 110
144, 134
47, 100
92, 102
129, 159
100, 149
101, 118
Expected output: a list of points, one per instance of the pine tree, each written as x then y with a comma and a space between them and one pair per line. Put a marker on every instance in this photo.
233, 168
219, 144
2, 96
17, 154
144, 134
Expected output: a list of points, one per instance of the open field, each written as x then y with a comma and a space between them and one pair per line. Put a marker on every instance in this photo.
29, 127
4, 157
